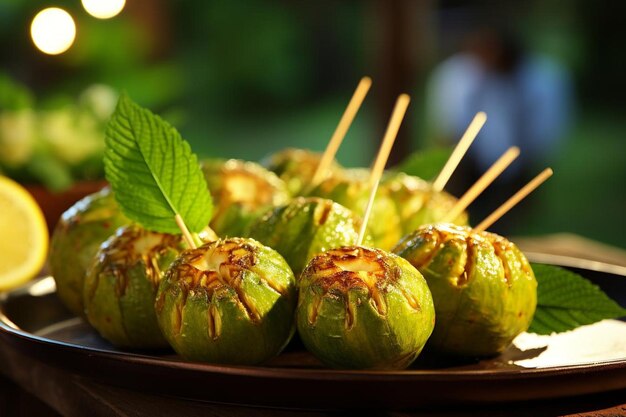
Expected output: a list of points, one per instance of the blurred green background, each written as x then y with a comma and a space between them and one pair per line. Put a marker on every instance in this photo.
244, 79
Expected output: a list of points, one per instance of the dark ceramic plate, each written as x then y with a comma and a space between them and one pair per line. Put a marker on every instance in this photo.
589, 360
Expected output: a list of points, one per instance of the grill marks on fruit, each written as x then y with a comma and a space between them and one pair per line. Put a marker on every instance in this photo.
314, 308
410, 298
236, 282
153, 271
133, 246
470, 261
350, 315
177, 318
214, 320
179, 280
422, 247
500, 247
427, 243
347, 267
468, 241
337, 271
322, 212
220, 265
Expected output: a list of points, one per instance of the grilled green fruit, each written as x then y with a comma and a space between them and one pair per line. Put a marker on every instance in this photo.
76, 238
305, 227
484, 289
241, 191
230, 301
296, 167
352, 190
417, 203
121, 286
364, 308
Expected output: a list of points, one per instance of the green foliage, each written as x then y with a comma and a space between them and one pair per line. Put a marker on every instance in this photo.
56, 141
153, 172
13, 95
425, 164
233, 72
566, 300
52, 173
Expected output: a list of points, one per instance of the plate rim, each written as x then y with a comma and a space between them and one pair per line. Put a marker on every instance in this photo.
8, 327
511, 384
269, 372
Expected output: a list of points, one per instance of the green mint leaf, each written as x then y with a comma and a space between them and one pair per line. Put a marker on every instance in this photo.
153, 172
425, 164
565, 300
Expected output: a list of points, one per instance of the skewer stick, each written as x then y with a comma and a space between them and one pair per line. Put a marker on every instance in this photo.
341, 130
483, 182
383, 154
460, 149
183, 228
516, 198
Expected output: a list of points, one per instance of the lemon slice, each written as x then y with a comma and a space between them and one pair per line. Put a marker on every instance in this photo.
23, 235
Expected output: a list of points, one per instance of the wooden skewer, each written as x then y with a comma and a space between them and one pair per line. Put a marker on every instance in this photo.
460, 149
183, 228
516, 198
483, 182
340, 132
383, 154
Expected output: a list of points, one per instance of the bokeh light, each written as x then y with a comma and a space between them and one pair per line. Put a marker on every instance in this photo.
103, 9
53, 31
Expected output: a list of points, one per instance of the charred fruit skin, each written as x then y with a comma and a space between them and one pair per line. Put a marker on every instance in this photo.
121, 286
231, 302
296, 167
417, 203
484, 289
76, 238
352, 190
363, 308
305, 227
242, 191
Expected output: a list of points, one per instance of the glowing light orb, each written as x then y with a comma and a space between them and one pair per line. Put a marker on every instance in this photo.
53, 31
103, 9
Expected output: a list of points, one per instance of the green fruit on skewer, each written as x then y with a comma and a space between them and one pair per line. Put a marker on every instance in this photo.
241, 191
364, 308
296, 167
484, 289
76, 238
305, 227
417, 203
120, 288
230, 301
352, 190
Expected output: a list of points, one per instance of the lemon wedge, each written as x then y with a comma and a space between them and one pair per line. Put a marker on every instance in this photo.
23, 235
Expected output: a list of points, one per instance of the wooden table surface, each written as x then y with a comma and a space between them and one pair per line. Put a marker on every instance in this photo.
29, 387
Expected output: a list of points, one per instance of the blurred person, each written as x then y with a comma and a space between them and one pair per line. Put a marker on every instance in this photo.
528, 99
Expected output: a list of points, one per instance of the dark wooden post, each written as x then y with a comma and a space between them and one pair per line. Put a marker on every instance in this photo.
400, 35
